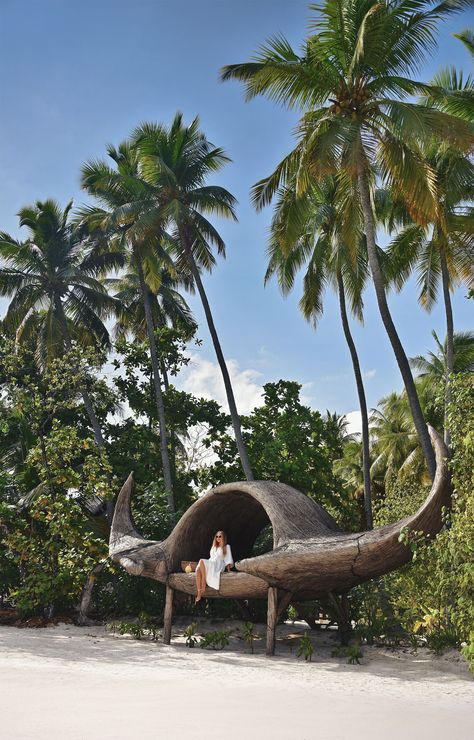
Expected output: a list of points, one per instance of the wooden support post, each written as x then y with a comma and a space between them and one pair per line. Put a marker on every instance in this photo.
168, 616
283, 602
272, 616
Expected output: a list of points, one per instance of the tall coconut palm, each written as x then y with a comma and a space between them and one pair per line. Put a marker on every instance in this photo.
311, 230
352, 83
168, 308
124, 197
434, 367
54, 280
176, 162
443, 249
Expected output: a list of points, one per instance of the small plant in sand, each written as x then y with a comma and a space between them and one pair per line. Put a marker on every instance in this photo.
414, 641
144, 627
352, 652
149, 626
305, 649
248, 635
190, 635
127, 628
215, 640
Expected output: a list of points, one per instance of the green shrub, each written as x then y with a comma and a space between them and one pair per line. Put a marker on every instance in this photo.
431, 598
216, 640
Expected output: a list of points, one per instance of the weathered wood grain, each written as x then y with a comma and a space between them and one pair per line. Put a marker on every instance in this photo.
272, 616
232, 586
311, 556
168, 615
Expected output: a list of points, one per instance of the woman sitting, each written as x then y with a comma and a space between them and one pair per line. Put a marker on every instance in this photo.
209, 571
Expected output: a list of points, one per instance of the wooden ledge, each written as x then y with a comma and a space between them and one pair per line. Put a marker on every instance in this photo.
232, 586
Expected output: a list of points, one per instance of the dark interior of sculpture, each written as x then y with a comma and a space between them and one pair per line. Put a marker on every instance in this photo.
240, 515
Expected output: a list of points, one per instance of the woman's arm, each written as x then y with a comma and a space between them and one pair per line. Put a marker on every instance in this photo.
228, 559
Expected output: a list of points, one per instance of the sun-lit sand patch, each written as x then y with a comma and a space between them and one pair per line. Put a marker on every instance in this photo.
83, 683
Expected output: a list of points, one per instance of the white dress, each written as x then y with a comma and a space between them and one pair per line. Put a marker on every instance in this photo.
216, 565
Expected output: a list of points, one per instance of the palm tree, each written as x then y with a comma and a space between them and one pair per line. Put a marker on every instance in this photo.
434, 367
395, 445
444, 247
53, 278
310, 229
175, 163
352, 84
125, 195
168, 306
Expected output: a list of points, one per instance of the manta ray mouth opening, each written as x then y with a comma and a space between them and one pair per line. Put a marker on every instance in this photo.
237, 513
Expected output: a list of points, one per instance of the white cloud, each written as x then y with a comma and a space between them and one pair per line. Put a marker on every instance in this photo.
203, 379
354, 419
305, 394
369, 374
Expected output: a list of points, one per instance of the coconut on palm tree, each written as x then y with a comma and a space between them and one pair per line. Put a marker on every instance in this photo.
53, 278
353, 83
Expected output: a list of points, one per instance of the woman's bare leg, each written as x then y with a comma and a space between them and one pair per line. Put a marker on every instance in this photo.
200, 580
203, 578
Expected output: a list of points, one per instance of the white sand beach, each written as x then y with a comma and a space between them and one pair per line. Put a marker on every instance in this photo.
84, 683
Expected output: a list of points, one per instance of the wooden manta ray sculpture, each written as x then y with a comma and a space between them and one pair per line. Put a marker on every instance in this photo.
311, 557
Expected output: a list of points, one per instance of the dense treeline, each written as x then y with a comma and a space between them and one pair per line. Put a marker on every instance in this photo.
97, 327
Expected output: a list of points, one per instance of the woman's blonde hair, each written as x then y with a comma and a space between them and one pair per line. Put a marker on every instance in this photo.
222, 543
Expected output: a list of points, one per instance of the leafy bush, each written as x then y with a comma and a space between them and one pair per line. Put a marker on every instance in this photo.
292, 613
432, 598
215, 640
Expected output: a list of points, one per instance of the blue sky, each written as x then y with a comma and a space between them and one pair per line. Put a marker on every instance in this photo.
78, 75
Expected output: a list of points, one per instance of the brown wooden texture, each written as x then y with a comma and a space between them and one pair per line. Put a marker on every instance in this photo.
283, 602
311, 556
168, 615
272, 616
232, 586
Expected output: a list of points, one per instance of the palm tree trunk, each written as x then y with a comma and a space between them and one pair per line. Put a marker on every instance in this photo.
160, 407
244, 460
400, 355
166, 385
362, 403
449, 342
160, 323
98, 437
